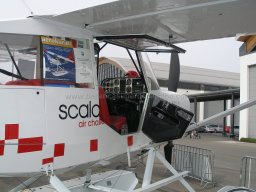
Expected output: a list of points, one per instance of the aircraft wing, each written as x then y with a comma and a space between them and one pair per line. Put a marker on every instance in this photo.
181, 20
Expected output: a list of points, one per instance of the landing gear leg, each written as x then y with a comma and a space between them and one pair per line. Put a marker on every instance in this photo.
148, 186
54, 180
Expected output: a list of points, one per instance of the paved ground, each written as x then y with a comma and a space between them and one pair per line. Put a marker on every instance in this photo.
228, 154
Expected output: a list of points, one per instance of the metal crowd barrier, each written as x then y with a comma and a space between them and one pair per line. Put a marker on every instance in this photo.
248, 172
199, 162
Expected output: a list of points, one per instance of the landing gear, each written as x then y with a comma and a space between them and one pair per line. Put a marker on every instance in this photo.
148, 186
119, 180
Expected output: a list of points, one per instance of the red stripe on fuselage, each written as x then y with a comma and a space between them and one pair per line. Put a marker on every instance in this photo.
47, 160
2, 143
32, 144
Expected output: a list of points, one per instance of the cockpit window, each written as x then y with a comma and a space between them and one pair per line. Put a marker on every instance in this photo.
109, 68
19, 58
141, 45
46, 61
67, 62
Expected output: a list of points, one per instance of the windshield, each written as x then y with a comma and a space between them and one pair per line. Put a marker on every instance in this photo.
153, 84
142, 44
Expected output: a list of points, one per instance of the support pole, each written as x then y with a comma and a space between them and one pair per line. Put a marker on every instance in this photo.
195, 110
224, 119
149, 167
129, 157
232, 134
201, 105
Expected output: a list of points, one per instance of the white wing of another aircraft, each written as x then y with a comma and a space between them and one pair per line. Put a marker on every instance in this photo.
177, 20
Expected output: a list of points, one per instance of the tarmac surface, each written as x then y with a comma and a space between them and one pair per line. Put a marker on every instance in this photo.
228, 155
227, 162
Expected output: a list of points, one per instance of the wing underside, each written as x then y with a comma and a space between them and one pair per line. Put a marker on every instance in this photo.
177, 20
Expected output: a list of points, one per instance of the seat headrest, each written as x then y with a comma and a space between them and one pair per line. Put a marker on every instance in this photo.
132, 74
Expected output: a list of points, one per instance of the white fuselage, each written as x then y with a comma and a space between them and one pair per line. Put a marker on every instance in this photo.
58, 126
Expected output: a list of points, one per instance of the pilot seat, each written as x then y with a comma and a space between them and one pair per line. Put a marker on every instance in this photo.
119, 123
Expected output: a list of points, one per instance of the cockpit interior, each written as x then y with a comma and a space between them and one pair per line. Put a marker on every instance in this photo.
123, 91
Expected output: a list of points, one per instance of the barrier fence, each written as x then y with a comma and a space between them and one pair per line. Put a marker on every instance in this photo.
248, 172
199, 162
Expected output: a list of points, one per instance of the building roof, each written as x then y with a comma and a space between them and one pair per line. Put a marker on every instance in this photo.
191, 74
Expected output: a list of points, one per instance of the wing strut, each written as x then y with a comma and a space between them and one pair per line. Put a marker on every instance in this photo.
222, 114
12, 58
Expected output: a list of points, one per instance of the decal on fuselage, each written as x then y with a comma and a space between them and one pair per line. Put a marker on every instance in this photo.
86, 112
83, 111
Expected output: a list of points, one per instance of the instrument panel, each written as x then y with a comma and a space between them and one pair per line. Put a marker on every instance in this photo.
123, 86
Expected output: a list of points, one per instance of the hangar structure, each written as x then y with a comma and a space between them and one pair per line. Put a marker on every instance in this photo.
248, 84
193, 82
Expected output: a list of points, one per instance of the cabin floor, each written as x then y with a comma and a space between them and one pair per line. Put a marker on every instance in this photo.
228, 155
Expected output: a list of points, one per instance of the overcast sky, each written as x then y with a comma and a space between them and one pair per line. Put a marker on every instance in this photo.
221, 54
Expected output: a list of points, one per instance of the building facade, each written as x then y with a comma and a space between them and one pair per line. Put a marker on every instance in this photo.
248, 85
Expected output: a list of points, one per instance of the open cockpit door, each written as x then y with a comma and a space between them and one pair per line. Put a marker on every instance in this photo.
142, 43
164, 120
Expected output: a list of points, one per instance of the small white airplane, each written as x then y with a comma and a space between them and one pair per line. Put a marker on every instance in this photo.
44, 129
57, 60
